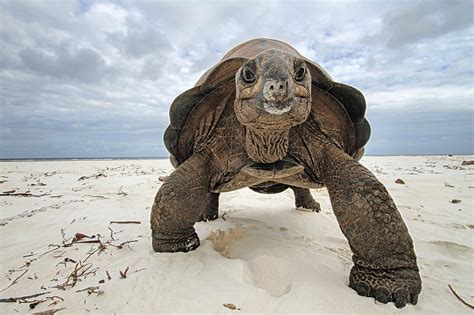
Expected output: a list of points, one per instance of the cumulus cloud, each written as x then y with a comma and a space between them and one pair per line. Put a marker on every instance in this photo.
96, 78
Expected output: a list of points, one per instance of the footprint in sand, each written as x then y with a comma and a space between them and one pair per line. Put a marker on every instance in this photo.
269, 273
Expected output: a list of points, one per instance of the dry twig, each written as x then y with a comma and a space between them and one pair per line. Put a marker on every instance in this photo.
50, 312
111, 234
121, 192
121, 245
15, 281
126, 222
460, 298
25, 194
80, 270
19, 298
123, 275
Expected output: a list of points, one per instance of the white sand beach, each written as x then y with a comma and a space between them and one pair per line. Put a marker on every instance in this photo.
259, 256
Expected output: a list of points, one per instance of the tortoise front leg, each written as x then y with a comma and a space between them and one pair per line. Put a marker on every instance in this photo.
304, 199
384, 259
178, 205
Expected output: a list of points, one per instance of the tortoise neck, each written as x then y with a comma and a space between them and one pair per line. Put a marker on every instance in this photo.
266, 145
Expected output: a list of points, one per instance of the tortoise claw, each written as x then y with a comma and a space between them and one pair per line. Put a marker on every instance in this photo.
382, 295
400, 298
362, 289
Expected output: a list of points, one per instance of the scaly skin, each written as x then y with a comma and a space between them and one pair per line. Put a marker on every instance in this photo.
384, 259
178, 204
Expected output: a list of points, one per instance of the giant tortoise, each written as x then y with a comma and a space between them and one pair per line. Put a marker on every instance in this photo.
267, 118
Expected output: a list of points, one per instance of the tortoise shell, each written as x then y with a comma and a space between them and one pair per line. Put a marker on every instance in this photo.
214, 89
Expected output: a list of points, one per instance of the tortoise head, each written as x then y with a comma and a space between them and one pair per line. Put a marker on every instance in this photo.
273, 91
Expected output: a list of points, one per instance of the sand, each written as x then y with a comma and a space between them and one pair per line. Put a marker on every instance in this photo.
261, 255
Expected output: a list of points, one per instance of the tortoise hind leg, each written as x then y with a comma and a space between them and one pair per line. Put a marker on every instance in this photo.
212, 207
304, 199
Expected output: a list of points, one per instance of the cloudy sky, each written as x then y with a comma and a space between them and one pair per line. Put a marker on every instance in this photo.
96, 78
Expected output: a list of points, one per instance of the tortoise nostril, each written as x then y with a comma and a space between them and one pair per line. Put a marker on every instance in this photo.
271, 87
281, 87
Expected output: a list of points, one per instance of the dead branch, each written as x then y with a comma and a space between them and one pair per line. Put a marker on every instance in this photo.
126, 222
15, 281
19, 298
123, 275
460, 298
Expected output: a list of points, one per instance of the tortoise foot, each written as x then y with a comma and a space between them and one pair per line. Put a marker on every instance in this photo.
401, 285
171, 243
308, 205
212, 208
209, 215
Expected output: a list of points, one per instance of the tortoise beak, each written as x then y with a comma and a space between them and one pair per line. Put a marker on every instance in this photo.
278, 108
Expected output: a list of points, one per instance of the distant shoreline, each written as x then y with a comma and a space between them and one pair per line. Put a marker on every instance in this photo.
166, 157
81, 159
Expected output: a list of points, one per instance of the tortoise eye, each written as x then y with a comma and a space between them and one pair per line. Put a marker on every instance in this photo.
299, 75
248, 75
